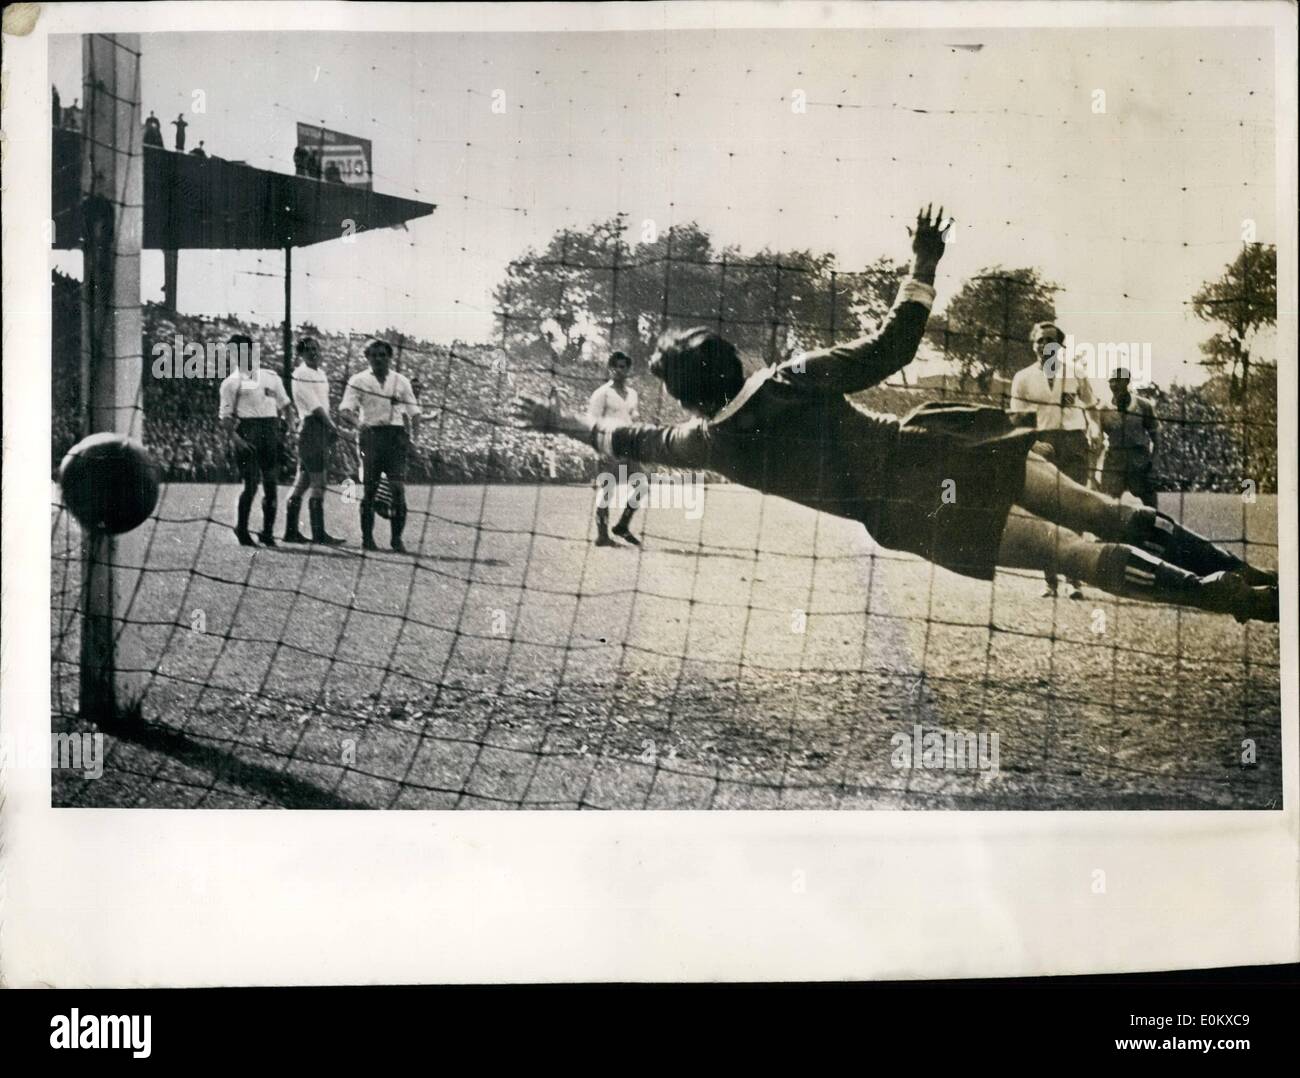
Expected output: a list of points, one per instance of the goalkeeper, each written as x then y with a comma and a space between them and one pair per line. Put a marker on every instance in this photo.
957, 485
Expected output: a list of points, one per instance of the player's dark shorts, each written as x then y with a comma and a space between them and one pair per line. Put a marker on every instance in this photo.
313, 444
1133, 475
263, 454
1068, 450
954, 476
618, 494
383, 449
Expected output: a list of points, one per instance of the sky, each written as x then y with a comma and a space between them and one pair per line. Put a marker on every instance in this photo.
1130, 209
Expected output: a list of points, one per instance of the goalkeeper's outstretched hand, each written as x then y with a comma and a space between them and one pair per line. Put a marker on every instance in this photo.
533, 413
928, 242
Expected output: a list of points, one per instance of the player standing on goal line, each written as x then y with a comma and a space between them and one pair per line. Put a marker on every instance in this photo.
955, 484
383, 403
311, 397
251, 400
614, 401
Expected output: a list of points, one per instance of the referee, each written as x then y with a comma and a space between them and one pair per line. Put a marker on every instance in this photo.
382, 403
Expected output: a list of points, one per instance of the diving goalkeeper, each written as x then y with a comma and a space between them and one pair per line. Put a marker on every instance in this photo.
955, 484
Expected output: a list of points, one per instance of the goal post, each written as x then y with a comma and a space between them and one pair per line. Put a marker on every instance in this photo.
112, 215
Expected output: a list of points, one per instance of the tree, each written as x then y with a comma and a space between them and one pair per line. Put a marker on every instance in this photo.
672, 279
1241, 301
871, 292
553, 303
590, 291
985, 327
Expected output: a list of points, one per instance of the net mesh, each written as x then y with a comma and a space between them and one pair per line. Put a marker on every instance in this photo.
752, 654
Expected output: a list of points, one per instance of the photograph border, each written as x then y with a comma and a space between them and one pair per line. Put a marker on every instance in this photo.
115, 897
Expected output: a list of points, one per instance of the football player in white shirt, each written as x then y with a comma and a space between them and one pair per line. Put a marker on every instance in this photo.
316, 432
1051, 399
615, 401
383, 404
251, 401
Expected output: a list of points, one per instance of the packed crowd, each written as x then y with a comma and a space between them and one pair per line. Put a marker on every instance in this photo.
1206, 445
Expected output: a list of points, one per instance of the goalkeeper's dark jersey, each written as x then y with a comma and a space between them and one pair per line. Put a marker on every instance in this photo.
792, 432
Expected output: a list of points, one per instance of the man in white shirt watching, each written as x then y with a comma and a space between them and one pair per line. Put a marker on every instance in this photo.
316, 432
1048, 397
252, 399
382, 403
616, 401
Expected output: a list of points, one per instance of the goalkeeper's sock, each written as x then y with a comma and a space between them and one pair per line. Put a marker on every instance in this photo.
1135, 574
1160, 535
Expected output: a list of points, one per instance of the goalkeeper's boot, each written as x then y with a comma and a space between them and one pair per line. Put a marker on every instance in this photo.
1232, 593
316, 510
291, 532
1161, 535
1260, 578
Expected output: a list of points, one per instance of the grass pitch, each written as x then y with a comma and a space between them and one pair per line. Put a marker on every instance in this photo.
760, 656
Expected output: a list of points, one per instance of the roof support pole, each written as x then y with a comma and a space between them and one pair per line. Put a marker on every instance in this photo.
288, 319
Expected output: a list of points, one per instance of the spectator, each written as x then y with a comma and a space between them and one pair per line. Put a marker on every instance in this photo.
153, 131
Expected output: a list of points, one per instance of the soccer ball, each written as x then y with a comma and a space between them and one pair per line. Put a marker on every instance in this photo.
110, 483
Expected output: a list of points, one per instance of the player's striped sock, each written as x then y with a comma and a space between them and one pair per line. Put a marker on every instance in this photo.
1160, 535
1135, 574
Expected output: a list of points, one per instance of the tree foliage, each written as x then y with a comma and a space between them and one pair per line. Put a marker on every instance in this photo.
590, 291
1240, 302
985, 327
